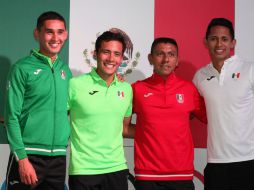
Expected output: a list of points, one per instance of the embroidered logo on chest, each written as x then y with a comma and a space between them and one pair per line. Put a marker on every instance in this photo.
180, 98
120, 94
236, 76
148, 94
37, 71
63, 75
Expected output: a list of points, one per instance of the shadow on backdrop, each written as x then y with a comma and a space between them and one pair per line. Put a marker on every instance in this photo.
186, 71
5, 65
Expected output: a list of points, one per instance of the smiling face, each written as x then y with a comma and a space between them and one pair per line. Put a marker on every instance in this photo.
219, 43
164, 59
109, 57
51, 37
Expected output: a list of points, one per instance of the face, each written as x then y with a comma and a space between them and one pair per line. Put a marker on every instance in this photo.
164, 59
109, 57
51, 37
219, 43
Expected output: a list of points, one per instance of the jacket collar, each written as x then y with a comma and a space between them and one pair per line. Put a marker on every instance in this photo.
42, 57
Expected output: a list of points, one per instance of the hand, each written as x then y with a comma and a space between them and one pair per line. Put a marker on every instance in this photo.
27, 173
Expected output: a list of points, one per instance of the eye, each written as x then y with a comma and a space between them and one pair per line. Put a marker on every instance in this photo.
117, 54
49, 31
159, 54
104, 51
225, 39
171, 54
212, 38
60, 32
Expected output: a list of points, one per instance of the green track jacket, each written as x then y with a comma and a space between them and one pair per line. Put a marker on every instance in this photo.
36, 107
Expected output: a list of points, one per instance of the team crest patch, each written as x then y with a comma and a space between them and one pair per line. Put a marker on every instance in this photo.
63, 75
236, 76
180, 98
120, 94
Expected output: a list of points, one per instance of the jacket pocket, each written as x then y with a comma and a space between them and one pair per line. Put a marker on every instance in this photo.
39, 128
62, 129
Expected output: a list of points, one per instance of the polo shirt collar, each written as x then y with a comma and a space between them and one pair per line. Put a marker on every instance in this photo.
98, 79
225, 69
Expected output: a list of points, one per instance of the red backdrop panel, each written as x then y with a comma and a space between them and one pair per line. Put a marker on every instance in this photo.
186, 21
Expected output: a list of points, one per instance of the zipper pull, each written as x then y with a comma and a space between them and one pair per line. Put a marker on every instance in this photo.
52, 70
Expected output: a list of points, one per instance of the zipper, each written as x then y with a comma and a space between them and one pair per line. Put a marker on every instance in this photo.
54, 112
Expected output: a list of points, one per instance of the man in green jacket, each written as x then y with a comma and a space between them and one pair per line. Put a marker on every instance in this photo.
36, 111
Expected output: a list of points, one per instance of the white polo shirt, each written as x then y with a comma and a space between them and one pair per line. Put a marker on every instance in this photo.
229, 98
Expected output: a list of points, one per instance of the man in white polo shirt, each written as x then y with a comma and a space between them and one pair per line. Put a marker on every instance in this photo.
227, 85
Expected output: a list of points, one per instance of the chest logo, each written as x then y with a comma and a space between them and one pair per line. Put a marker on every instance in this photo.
37, 71
180, 98
210, 78
120, 94
148, 94
236, 75
63, 75
93, 92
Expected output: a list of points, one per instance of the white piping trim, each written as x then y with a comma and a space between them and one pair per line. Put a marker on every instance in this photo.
45, 150
176, 175
8, 172
59, 150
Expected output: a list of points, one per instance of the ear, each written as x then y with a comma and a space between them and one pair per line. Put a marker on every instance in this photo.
150, 58
233, 43
94, 55
36, 34
65, 34
205, 42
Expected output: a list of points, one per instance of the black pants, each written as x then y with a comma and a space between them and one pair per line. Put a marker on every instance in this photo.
164, 185
109, 181
50, 171
230, 176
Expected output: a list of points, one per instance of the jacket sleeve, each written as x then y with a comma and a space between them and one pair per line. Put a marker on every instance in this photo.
13, 108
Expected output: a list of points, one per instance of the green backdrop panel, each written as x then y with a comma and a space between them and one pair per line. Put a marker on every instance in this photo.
18, 20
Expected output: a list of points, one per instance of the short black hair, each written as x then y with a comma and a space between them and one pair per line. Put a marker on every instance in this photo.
165, 41
50, 15
109, 36
220, 22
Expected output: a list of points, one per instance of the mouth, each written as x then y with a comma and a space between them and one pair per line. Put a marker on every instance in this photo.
54, 45
219, 51
109, 66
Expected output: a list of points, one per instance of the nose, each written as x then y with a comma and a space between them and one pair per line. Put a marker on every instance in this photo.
54, 36
111, 57
166, 58
219, 42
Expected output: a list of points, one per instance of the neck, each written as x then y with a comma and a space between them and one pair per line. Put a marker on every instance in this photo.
107, 78
52, 57
218, 65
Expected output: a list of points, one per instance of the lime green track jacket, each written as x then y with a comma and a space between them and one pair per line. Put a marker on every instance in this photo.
36, 107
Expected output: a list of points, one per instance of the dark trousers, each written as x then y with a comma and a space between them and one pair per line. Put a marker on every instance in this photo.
229, 176
50, 170
109, 181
